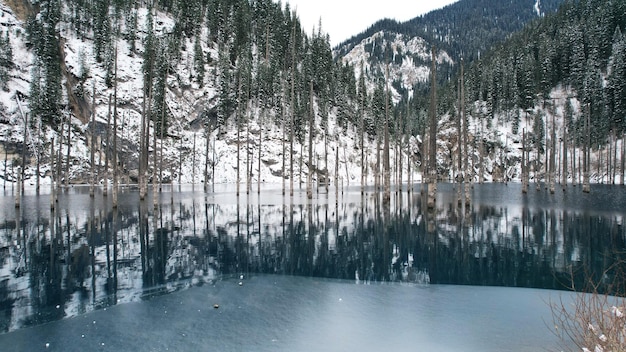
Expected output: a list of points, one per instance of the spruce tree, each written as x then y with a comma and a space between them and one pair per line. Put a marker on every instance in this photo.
6, 60
198, 59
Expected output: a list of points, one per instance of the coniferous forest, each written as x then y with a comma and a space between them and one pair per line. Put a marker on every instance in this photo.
228, 71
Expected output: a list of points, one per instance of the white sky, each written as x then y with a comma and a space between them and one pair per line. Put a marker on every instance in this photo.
342, 19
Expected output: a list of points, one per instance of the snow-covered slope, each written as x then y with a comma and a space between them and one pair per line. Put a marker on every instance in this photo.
185, 147
409, 60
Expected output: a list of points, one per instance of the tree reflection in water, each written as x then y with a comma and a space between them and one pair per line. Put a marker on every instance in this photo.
68, 261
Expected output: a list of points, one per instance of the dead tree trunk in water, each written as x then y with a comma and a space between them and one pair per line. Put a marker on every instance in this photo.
105, 190
553, 157
53, 197
283, 142
292, 107
309, 189
115, 175
207, 139
564, 158
238, 124
92, 183
524, 167
586, 154
623, 160
60, 154
386, 166
142, 145
432, 152
468, 172
362, 112
67, 155
459, 175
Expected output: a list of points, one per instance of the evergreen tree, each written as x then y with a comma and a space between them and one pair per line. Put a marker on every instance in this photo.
617, 80
159, 113
131, 30
6, 60
198, 60
102, 29
34, 100
43, 33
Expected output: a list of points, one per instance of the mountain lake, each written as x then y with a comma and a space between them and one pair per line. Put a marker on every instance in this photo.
262, 271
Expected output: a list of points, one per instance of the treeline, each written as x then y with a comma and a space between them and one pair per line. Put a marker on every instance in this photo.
581, 47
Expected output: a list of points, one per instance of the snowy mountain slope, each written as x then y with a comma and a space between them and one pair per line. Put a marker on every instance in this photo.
185, 147
409, 60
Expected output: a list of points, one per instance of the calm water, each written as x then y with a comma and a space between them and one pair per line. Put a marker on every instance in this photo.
339, 274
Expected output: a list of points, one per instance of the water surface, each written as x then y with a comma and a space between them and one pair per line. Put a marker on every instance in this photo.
343, 269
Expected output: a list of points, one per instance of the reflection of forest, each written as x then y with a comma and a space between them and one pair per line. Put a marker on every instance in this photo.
72, 261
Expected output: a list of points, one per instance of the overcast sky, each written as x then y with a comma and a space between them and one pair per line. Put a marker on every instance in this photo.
342, 19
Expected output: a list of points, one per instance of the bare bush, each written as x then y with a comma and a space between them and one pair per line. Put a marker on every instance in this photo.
593, 320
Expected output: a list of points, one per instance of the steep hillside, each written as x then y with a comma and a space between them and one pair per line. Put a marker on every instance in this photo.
466, 29
236, 82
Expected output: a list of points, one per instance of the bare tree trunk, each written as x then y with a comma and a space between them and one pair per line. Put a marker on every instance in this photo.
468, 179
283, 142
38, 155
432, 152
564, 174
409, 133
18, 190
524, 164
207, 140
180, 162
398, 158
309, 189
60, 154
552, 156
92, 183
67, 155
387, 169
481, 141
248, 163
614, 163
291, 137
258, 181
53, 197
22, 169
6, 160
142, 146
193, 161
574, 171
337, 169
362, 111
459, 176
586, 156
161, 133
377, 177
292, 107
105, 190
301, 162
213, 165
327, 173
115, 168
238, 124
623, 160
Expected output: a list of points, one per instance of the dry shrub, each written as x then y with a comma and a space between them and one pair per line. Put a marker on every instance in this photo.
594, 320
